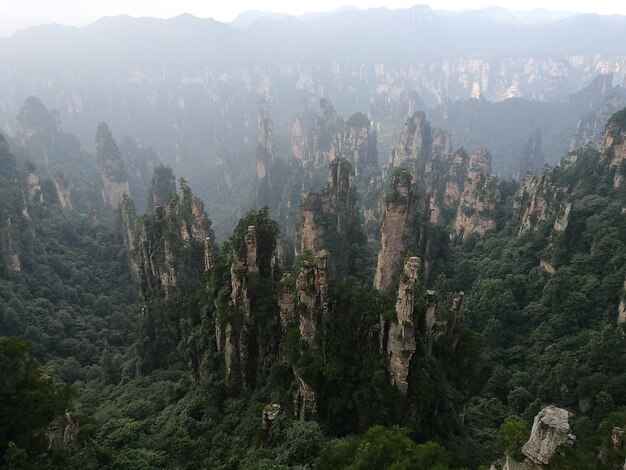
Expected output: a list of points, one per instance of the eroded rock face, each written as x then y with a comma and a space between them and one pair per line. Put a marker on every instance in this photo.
621, 309
164, 246
300, 130
265, 148
63, 191
312, 293
359, 144
401, 340
330, 217
10, 254
532, 159
550, 430
304, 401
481, 194
326, 134
162, 187
399, 229
234, 339
613, 147
312, 296
64, 430
414, 142
34, 187
269, 414
113, 176
455, 181
539, 200
591, 126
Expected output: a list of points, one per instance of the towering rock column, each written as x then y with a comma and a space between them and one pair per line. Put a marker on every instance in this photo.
113, 177
330, 218
312, 295
401, 340
399, 229
481, 194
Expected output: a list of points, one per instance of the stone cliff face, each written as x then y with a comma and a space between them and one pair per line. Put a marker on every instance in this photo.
591, 127
481, 195
113, 177
621, 309
537, 201
399, 230
33, 187
613, 147
63, 191
265, 148
312, 298
171, 247
162, 187
329, 218
414, 143
37, 128
532, 159
326, 135
401, 340
328, 139
603, 99
359, 145
10, 254
550, 430
301, 133
235, 339
455, 181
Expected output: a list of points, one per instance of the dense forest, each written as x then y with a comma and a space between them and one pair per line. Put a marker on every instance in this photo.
415, 278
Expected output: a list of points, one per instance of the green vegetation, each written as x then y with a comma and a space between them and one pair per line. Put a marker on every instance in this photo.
178, 375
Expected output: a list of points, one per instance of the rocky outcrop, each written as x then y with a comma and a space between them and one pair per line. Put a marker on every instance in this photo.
621, 308
170, 248
401, 342
613, 147
10, 254
317, 145
550, 430
304, 401
537, 201
139, 162
235, 338
330, 219
269, 414
454, 323
531, 160
63, 191
414, 143
481, 194
604, 100
301, 129
455, 181
162, 187
63, 431
399, 230
38, 127
312, 299
265, 148
113, 176
33, 186
312, 294
326, 135
359, 145
248, 320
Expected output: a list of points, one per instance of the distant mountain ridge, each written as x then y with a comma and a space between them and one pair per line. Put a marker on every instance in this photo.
189, 87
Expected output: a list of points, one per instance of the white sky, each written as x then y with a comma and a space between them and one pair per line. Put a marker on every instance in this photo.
17, 14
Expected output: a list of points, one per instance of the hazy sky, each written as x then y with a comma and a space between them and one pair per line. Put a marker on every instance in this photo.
17, 14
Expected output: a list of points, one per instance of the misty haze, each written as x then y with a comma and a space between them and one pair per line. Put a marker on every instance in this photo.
361, 238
